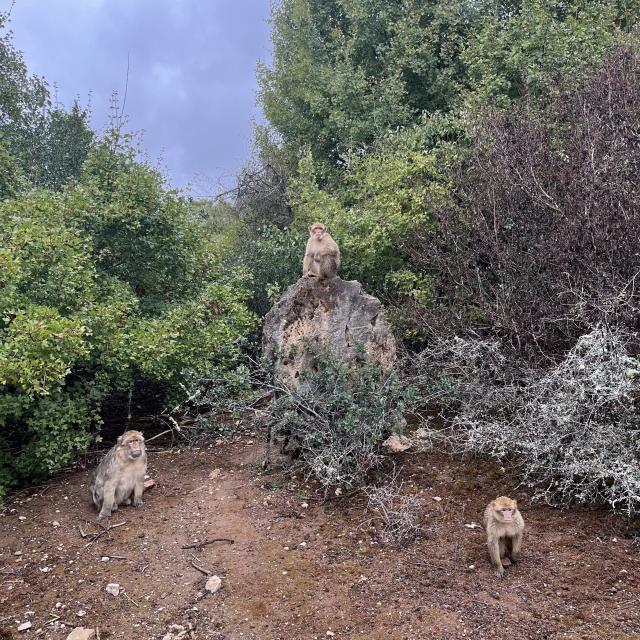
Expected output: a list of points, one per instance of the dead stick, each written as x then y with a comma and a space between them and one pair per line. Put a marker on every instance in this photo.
128, 597
160, 434
105, 530
204, 486
204, 543
200, 569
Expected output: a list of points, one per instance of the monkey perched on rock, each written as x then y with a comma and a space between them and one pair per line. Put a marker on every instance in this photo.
322, 255
504, 526
120, 474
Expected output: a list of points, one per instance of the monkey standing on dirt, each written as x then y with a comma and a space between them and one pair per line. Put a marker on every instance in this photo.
119, 474
504, 526
322, 255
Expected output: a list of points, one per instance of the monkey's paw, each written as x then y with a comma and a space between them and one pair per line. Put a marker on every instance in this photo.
137, 502
499, 573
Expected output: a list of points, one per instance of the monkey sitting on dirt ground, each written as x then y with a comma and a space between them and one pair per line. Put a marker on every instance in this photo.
322, 255
119, 474
504, 526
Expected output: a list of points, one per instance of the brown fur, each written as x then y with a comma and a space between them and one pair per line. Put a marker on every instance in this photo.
504, 536
120, 474
322, 255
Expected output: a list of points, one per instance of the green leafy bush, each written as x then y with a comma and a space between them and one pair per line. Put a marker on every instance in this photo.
530, 51
384, 198
109, 284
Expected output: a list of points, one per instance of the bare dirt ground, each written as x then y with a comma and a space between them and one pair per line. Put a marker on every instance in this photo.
299, 569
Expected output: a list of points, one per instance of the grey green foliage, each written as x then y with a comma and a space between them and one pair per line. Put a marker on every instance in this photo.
336, 417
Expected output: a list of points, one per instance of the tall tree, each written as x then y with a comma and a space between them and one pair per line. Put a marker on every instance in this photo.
346, 71
49, 143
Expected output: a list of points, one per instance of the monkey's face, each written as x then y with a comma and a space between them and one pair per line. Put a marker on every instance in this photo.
505, 508
507, 515
317, 231
133, 444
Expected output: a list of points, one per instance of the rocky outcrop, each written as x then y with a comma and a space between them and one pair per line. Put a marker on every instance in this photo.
336, 313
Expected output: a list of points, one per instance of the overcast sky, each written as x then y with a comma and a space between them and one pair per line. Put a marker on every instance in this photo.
192, 80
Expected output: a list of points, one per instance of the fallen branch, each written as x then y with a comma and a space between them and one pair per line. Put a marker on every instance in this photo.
204, 486
128, 597
204, 543
164, 433
199, 568
98, 534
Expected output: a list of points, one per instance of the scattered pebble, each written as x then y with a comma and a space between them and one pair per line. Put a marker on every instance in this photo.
80, 633
113, 588
437, 498
24, 626
397, 443
213, 584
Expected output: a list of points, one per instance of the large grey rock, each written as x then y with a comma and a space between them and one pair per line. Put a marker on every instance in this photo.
336, 313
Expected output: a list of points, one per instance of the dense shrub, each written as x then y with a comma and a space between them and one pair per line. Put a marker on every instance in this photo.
274, 258
127, 291
336, 418
528, 49
545, 233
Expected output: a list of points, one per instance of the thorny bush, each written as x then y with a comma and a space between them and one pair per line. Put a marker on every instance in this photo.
573, 429
397, 511
332, 421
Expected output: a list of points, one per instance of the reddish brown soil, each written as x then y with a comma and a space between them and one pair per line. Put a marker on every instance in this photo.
579, 576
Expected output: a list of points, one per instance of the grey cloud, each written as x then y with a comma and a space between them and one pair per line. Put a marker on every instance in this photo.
191, 82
